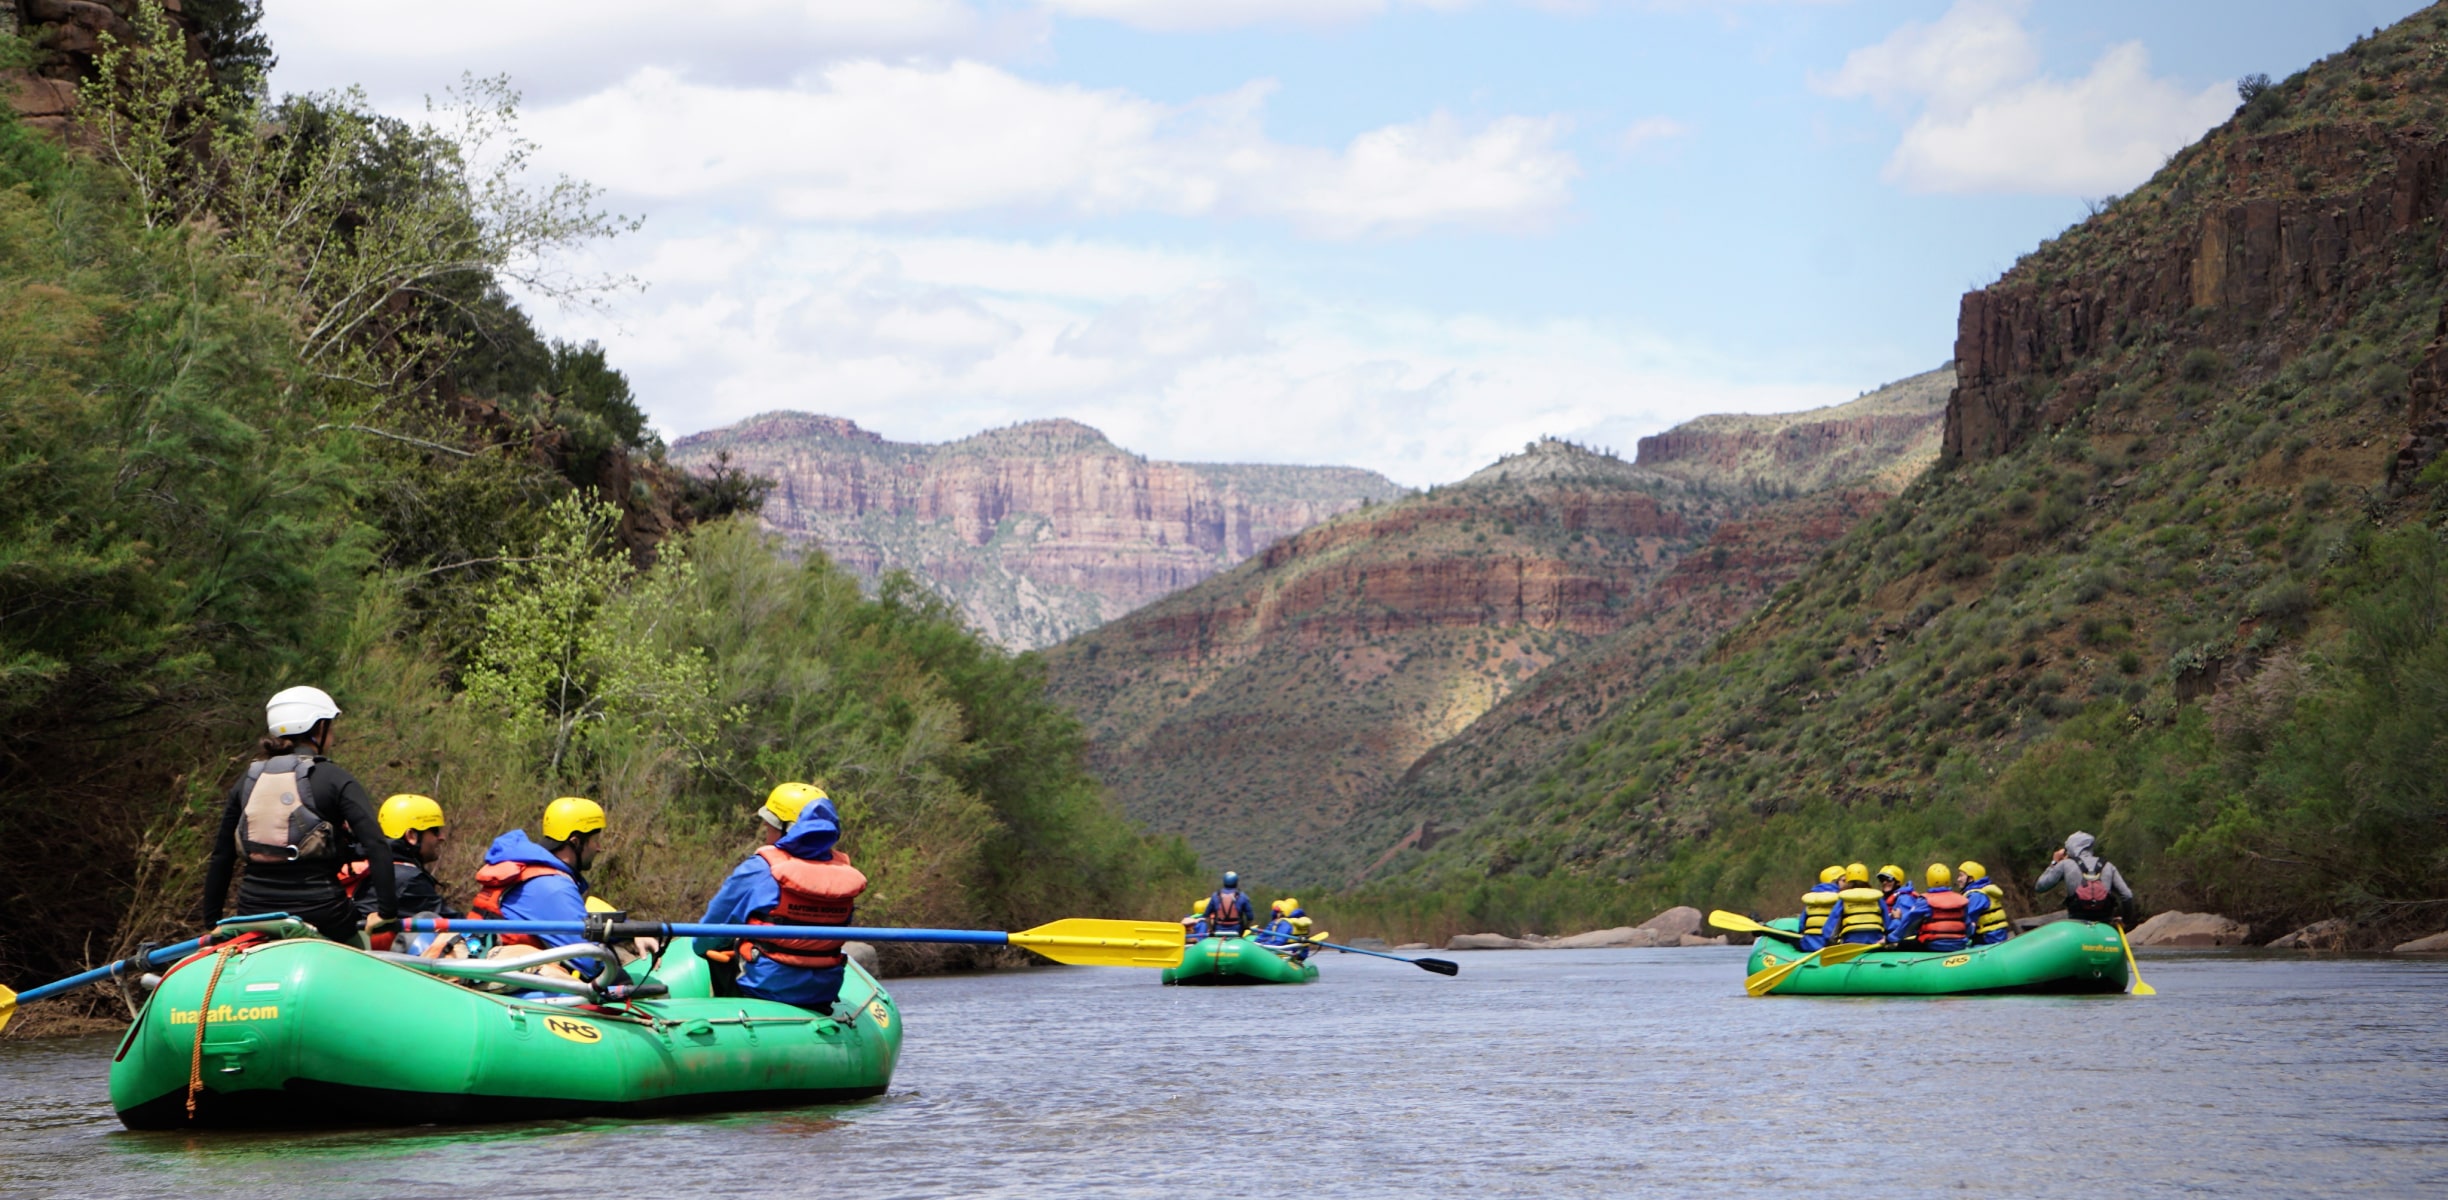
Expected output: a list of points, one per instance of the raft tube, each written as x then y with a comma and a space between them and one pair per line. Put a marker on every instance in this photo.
1228, 962
306, 1032
2059, 958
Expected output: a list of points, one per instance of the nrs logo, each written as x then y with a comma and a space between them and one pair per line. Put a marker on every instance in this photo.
574, 1030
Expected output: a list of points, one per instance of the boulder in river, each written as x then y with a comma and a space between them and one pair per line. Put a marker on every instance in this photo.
864, 954
1488, 941
1620, 937
1675, 922
2435, 944
2319, 935
2189, 929
1410, 946
1693, 939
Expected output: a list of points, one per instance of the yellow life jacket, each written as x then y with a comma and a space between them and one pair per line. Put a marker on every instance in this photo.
1815, 909
1862, 912
1994, 916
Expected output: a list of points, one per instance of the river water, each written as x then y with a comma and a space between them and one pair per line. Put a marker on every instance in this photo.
1534, 1073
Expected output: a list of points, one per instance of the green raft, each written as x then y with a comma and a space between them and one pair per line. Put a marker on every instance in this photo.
308, 1032
2059, 958
1234, 961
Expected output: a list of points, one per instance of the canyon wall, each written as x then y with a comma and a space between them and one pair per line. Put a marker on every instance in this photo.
1038, 531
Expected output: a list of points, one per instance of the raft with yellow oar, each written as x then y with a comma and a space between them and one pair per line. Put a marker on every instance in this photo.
2059, 958
1236, 961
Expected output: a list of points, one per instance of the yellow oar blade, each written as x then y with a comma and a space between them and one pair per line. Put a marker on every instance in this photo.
1736, 923
1845, 952
8, 1006
1767, 981
1088, 942
2132, 969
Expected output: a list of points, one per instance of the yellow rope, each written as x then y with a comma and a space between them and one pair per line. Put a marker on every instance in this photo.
195, 1063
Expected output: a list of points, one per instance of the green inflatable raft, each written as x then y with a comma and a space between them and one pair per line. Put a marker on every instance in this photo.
1234, 961
2059, 958
303, 1032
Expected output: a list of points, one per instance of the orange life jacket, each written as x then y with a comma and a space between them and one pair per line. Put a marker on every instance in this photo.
813, 893
1946, 919
493, 881
353, 877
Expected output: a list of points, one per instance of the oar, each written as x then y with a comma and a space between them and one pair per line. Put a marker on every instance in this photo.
1826, 956
2131, 967
1737, 923
1437, 965
152, 958
1079, 941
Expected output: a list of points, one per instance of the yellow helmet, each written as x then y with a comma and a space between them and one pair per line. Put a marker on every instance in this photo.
407, 811
599, 904
570, 816
784, 804
1938, 876
1200, 908
1971, 870
1290, 903
1892, 871
1857, 873
1831, 874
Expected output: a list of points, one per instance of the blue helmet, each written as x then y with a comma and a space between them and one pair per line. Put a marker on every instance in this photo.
1232, 879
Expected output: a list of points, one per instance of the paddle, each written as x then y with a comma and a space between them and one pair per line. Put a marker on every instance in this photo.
1828, 956
1436, 965
2131, 967
1078, 941
1737, 923
152, 958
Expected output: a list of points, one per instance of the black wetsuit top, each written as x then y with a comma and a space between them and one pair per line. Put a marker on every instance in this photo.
419, 891
310, 892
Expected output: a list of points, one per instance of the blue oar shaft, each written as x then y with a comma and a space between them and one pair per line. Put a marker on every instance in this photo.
628, 929
1371, 953
154, 958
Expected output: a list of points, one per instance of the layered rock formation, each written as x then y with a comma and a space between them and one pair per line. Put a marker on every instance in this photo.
1882, 440
1255, 711
65, 35
1036, 532
1280, 715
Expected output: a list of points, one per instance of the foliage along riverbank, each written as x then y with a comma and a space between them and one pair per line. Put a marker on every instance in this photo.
274, 419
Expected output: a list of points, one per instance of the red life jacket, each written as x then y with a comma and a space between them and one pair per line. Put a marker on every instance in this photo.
1946, 919
813, 893
493, 881
353, 877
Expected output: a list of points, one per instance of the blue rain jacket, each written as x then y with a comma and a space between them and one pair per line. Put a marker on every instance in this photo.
560, 897
750, 888
1905, 912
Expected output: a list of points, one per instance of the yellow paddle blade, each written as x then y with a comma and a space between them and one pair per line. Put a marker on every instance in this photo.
2132, 968
1767, 981
1088, 942
1736, 923
1845, 952
8, 1006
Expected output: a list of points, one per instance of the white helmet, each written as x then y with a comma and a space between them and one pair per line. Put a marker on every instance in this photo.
292, 711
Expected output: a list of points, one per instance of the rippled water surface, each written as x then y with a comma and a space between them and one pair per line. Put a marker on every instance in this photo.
1592, 1073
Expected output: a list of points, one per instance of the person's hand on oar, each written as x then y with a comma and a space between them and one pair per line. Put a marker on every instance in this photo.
1737, 923
2131, 967
1078, 941
1768, 980
1437, 965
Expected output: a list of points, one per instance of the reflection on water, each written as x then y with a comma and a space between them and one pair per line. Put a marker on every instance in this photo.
1601, 1073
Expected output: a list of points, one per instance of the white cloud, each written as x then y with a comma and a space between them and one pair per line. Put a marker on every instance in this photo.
560, 48
868, 140
1988, 122
1650, 129
1181, 16
1175, 355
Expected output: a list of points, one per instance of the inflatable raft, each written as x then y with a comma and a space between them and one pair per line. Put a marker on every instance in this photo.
1226, 962
2059, 958
302, 1031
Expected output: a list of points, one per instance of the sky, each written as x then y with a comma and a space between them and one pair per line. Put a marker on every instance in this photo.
1408, 235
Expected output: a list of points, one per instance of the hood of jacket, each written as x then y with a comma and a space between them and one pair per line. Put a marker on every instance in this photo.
811, 837
2078, 847
516, 846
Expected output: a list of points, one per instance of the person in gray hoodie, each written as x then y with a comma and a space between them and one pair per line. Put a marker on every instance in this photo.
2094, 889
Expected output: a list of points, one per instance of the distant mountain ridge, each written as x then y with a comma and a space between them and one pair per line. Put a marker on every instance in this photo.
1036, 531
1269, 713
